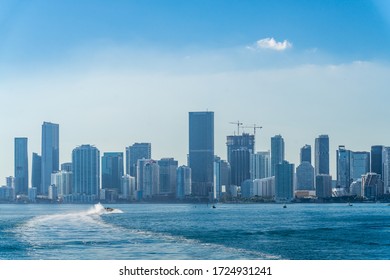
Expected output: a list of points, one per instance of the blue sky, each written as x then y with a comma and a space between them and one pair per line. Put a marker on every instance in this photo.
112, 73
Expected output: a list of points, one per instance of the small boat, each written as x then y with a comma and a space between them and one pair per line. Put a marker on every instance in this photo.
284, 206
350, 204
109, 209
214, 206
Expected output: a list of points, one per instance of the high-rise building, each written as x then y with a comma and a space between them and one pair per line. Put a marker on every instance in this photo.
323, 186
66, 166
151, 179
240, 166
222, 177
306, 153
183, 186
305, 176
168, 168
372, 185
112, 170
322, 155
201, 152
134, 153
277, 152
386, 169
239, 142
50, 154
343, 165
360, 164
36, 173
86, 171
376, 159
284, 181
260, 165
63, 181
21, 166
128, 187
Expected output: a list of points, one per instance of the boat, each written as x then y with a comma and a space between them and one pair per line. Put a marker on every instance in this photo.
350, 204
284, 206
214, 206
109, 209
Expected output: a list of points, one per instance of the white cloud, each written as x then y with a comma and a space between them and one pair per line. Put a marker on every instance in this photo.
271, 43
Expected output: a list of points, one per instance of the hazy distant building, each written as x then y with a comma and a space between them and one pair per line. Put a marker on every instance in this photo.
36, 173
21, 166
247, 189
66, 166
167, 179
386, 169
128, 187
343, 165
284, 181
305, 176
240, 166
356, 188
305, 154
134, 153
183, 185
324, 186
239, 142
201, 152
264, 187
372, 186
10, 182
86, 171
63, 180
222, 177
277, 152
360, 164
376, 159
112, 171
322, 155
50, 154
151, 179
260, 165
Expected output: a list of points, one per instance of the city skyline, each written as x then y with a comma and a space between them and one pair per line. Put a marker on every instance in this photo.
134, 77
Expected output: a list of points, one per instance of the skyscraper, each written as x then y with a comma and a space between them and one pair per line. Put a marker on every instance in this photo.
112, 171
183, 186
322, 155
284, 181
323, 186
277, 152
36, 173
305, 176
260, 165
343, 164
50, 154
306, 153
201, 152
21, 166
239, 142
86, 170
240, 166
168, 168
386, 169
376, 159
134, 153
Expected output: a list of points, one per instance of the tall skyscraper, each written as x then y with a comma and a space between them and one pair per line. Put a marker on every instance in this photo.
36, 173
277, 152
183, 178
260, 165
376, 159
240, 166
21, 166
360, 164
305, 176
86, 170
306, 153
134, 153
343, 164
323, 186
322, 155
201, 152
386, 169
239, 142
112, 171
284, 181
168, 168
50, 154
372, 185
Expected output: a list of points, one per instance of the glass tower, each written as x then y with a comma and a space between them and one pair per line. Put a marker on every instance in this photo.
201, 152
277, 152
21, 166
50, 154
322, 155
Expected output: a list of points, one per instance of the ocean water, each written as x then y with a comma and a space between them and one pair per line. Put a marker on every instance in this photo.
189, 231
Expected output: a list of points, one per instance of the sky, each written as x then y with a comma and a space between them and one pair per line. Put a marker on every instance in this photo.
112, 73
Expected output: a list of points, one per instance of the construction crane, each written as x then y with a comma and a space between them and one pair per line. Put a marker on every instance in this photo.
238, 123
254, 128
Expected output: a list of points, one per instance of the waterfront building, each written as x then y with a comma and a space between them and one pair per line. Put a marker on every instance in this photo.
183, 185
10, 182
66, 166
167, 179
247, 189
321, 155
50, 155
240, 166
277, 152
32, 194
53, 192
201, 152
264, 187
305, 154
360, 164
305, 176
112, 171
343, 165
21, 166
134, 153
128, 187
36, 173
376, 160
239, 142
284, 181
86, 173
323, 186
151, 179
356, 188
63, 180
386, 169
372, 186
260, 165
221, 177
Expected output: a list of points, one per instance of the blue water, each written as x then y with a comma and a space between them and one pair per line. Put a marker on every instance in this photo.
187, 231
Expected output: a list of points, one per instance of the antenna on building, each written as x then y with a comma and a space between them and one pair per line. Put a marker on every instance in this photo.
238, 123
